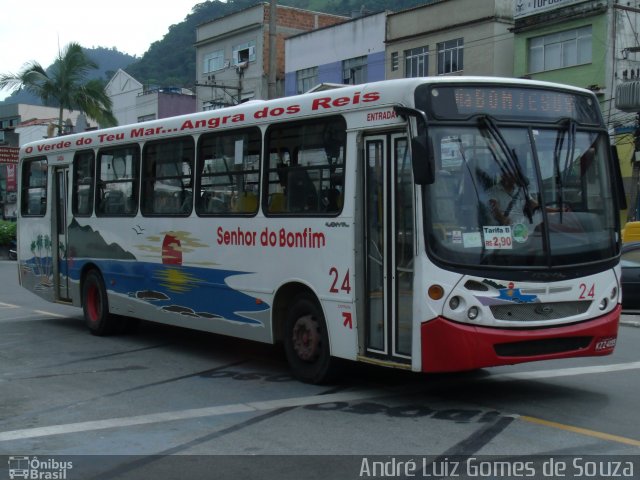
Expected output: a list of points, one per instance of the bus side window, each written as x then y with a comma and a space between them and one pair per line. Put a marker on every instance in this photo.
228, 172
301, 192
167, 183
83, 174
34, 187
305, 167
117, 178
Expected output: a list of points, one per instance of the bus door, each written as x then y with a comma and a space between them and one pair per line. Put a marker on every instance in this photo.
60, 237
389, 245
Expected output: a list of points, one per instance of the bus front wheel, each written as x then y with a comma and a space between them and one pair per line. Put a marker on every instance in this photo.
95, 305
306, 341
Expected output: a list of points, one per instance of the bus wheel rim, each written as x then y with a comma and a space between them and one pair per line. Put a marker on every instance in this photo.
306, 338
93, 303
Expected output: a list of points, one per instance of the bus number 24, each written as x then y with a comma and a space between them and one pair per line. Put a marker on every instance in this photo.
346, 282
587, 292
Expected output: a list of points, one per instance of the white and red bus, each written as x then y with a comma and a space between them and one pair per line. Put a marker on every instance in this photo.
344, 224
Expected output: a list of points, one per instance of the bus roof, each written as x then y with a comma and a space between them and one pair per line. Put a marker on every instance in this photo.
375, 95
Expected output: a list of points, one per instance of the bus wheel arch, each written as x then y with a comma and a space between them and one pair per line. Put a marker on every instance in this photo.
300, 324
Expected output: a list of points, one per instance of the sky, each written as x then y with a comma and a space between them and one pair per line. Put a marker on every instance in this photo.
36, 30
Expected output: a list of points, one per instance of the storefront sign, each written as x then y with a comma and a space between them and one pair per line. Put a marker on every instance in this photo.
524, 8
9, 154
12, 178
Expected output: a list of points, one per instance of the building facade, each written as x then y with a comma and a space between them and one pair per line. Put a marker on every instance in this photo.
352, 52
123, 90
565, 42
451, 37
19, 124
163, 103
591, 44
232, 53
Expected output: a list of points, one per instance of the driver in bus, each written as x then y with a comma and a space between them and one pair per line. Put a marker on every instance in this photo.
508, 202
510, 205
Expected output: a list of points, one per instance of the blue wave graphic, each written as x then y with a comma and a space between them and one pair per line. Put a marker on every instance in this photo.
189, 291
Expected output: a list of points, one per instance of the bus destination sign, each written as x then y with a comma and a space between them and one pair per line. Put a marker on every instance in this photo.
512, 103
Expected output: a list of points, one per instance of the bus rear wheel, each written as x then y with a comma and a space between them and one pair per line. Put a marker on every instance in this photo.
95, 305
306, 341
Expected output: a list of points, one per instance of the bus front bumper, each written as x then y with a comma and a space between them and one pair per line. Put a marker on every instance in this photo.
449, 346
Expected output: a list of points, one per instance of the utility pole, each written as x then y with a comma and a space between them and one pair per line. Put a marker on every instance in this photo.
273, 58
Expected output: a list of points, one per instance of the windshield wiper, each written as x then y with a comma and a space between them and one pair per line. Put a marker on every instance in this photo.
561, 175
512, 165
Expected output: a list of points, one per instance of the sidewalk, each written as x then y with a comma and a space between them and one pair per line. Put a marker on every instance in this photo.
630, 319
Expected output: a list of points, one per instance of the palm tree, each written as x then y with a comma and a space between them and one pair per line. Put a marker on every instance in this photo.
65, 85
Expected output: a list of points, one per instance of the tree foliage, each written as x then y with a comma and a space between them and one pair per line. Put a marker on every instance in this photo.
65, 85
7, 232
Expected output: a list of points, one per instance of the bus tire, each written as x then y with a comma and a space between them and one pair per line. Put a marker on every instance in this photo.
306, 341
95, 305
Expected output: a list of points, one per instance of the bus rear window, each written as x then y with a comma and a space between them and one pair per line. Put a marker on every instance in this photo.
34, 187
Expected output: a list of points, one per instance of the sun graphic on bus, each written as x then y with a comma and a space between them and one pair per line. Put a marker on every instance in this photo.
176, 280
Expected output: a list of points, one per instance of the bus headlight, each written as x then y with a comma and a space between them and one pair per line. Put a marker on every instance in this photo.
614, 294
603, 304
454, 303
472, 313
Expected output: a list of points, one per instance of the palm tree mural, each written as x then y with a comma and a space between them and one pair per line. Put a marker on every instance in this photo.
65, 86
42, 261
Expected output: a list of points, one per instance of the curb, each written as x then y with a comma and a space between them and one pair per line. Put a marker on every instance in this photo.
629, 322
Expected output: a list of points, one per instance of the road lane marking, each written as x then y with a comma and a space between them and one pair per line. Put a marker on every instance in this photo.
252, 407
30, 316
51, 314
564, 372
248, 407
26, 318
582, 431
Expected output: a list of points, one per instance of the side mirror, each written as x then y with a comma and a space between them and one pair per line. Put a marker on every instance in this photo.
422, 160
422, 154
617, 175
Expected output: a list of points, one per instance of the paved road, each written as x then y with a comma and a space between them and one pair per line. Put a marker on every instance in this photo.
163, 401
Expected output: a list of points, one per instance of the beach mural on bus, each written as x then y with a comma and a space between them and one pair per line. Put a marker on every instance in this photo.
168, 285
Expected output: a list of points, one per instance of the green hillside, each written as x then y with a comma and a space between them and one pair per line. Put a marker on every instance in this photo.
171, 61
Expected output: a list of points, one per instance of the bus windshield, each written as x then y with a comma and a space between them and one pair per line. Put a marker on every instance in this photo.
511, 194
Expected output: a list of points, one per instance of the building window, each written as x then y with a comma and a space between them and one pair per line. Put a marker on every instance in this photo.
147, 118
213, 61
245, 52
306, 79
394, 61
416, 62
450, 56
354, 70
559, 50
